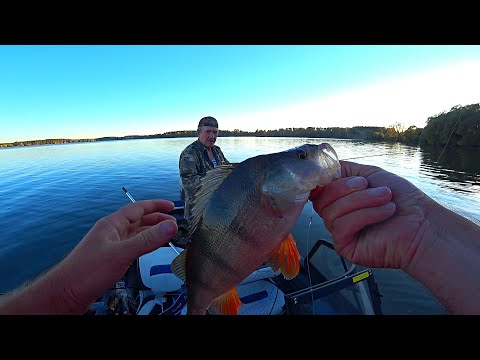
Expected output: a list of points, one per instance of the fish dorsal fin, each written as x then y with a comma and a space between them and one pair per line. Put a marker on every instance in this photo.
286, 258
208, 184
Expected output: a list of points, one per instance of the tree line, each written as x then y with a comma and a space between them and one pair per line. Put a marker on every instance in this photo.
458, 127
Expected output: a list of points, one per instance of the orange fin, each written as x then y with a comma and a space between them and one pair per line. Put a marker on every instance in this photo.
227, 304
286, 258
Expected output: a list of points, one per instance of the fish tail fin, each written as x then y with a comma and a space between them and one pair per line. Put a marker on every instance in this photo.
178, 265
227, 304
286, 258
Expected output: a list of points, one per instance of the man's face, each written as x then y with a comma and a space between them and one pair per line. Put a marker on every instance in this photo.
208, 135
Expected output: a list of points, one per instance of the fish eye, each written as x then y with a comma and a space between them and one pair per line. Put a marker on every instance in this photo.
302, 154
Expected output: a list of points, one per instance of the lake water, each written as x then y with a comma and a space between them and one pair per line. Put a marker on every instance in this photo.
50, 196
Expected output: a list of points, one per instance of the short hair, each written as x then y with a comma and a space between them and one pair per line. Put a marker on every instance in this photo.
207, 121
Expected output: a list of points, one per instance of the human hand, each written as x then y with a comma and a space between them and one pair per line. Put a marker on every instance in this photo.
103, 256
376, 218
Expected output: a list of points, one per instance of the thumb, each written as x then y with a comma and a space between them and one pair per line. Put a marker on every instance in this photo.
315, 193
151, 239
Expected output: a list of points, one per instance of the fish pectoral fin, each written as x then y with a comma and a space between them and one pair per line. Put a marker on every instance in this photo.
178, 265
286, 258
226, 304
269, 205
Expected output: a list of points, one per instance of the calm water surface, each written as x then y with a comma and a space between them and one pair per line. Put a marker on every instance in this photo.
50, 196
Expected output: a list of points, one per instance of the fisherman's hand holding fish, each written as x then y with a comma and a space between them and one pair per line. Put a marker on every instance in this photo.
360, 199
242, 218
379, 219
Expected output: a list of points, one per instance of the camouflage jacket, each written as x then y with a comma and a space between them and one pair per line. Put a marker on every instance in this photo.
193, 164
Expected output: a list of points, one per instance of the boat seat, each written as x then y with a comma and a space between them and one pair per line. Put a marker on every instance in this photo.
161, 287
156, 273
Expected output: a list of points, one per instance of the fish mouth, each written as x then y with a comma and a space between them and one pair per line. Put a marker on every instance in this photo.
329, 163
328, 150
301, 198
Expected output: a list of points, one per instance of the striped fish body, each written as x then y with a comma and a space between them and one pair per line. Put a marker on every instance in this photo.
240, 222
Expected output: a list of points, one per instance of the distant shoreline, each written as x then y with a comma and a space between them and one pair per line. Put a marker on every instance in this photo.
355, 133
458, 127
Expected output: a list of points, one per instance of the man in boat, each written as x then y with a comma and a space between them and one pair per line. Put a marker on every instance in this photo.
197, 158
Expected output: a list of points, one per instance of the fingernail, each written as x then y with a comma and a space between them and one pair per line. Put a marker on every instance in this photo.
379, 191
389, 206
167, 228
357, 183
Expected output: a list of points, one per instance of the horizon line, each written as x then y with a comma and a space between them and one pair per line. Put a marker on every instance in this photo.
193, 131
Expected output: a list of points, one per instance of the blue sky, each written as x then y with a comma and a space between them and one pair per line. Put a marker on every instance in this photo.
81, 91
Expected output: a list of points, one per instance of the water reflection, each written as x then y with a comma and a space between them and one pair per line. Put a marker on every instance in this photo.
456, 165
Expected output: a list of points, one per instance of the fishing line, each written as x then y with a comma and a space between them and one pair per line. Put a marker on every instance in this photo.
308, 260
451, 133
360, 157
